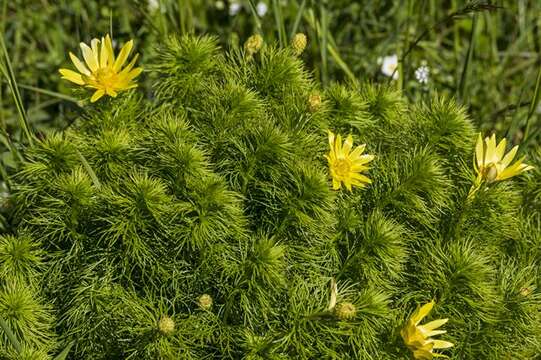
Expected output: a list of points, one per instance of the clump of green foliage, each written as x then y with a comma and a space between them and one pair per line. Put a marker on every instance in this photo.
201, 224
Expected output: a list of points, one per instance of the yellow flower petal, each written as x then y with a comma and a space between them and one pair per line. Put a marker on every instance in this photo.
347, 145
104, 54
133, 74
358, 151
434, 324
338, 146
509, 156
500, 149
124, 52
422, 354
111, 92
91, 59
433, 332
72, 76
94, 44
364, 159
490, 153
109, 47
361, 177
440, 344
331, 138
130, 65
513, 170
479, 153
97, 95
79, 64
422, 312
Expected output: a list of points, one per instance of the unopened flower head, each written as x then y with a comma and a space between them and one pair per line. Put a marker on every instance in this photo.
492, 165
166, 325
103, 71
389, 66
418, 338
298, 43
525, 291
253, 44
261, 8
346, 165
234, 8
345, 311
205, 302
422, 73
314, 102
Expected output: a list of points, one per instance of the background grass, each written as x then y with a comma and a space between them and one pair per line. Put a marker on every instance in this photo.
490, 64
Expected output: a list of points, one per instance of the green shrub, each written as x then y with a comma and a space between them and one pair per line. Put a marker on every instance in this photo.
202, 224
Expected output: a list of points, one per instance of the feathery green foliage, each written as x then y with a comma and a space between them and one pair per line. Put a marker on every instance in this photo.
218, 187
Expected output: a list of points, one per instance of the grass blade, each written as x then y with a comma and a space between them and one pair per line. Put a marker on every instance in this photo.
341, 63
7, 71
467, 61
50, 93
534, 103
298, 18
253, 10
282, 37
323, 40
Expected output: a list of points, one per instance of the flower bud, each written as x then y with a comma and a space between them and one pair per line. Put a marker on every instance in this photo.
345, 311
253, 44
205, 302
525, 291
298, 43
166, 325
314, 102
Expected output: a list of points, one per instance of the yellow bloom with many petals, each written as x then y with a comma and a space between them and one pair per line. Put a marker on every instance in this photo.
491, 164
101, 70
346, 165
418, 338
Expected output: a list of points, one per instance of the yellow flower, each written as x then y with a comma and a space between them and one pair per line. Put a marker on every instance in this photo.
418, 337
346, 166
491, 164
101, 71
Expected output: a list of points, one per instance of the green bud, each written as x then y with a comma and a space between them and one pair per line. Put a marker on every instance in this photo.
166, 325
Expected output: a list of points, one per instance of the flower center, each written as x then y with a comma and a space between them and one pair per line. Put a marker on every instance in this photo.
490, 172
106, 77
342, 167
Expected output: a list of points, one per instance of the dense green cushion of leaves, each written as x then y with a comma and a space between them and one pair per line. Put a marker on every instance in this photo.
219, 186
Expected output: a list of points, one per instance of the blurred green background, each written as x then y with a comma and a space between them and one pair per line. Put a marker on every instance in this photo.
485, 53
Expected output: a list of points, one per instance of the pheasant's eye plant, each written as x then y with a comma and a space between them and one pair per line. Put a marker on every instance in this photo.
240, 210
101, 70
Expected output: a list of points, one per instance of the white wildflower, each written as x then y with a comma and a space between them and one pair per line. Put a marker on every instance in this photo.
422, 73
234, 8
261, 8
388, 66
